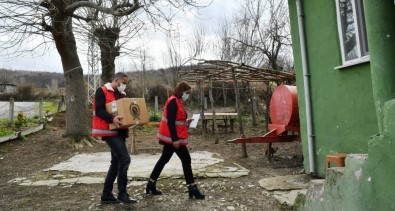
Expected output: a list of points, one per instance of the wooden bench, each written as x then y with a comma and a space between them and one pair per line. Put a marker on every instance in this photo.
227, 119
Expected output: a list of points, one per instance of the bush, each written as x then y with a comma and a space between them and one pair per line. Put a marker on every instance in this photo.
154, 116
20, 120
158, 90
25, 92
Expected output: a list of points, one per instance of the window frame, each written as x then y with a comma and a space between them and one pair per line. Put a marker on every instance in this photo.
360, 58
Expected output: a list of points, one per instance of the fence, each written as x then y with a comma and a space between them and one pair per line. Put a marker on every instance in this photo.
11, 108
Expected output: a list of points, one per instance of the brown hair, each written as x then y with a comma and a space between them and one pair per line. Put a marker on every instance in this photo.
180, 88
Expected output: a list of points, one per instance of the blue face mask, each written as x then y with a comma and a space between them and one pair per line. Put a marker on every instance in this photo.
185, 96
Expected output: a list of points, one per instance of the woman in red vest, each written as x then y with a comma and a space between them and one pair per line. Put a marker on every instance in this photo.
120, 158
173, 135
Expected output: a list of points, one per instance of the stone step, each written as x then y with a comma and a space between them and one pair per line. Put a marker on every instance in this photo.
315, 189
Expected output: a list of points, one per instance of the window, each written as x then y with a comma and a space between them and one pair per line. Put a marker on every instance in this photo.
352, 31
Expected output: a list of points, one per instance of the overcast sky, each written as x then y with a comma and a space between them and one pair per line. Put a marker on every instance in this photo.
210, 17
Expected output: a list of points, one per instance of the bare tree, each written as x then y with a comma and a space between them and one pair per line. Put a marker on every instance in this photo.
223, 49
113, 33
25, 21
176, 59
142, 65
110, 33
263, 31
5, 76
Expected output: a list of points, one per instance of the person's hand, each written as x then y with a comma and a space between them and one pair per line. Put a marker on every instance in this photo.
176, 144
189, 121
117, 121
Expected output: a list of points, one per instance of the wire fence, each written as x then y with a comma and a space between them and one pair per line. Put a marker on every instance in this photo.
28, 109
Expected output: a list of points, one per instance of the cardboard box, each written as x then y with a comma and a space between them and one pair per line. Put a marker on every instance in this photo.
133, 110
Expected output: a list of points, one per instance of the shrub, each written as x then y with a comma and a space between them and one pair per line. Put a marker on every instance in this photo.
154, 117
24, 92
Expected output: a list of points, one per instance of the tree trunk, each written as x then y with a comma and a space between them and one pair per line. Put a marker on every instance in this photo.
107, 38
76, 102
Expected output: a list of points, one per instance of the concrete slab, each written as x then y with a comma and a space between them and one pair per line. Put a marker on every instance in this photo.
289, 182
286, 197
142, 165
285, 188
91, 169
90, 180
46, 183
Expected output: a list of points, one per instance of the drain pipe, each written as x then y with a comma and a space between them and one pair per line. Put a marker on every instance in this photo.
306, 82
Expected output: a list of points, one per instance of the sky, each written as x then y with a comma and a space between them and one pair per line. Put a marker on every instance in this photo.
156, 44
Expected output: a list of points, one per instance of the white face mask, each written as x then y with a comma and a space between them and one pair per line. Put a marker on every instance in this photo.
185, 96
121, 87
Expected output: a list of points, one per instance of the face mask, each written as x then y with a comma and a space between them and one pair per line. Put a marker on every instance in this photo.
185, 96
121, 87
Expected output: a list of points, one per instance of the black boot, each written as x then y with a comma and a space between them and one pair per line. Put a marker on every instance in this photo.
151, 188
108, 198
125, 198
194, 192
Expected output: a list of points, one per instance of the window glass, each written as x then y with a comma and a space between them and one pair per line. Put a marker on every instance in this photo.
352, 29
348, 30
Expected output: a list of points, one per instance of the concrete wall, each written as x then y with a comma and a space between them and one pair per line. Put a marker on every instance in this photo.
343, 108
367, 181
366, 184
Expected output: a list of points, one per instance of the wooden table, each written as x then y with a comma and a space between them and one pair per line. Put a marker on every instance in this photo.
221, 117
132, 135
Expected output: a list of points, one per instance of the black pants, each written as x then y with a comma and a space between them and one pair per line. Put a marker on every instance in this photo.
184, 156
120, 160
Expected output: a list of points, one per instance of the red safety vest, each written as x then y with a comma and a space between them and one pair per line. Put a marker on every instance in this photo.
99, 126
181, 124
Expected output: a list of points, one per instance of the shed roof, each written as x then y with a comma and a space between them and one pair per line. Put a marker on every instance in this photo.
219, 70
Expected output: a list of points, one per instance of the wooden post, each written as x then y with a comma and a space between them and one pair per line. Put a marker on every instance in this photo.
205, 103
254, 107
252, 103
40, 108
201, 99
11, 110
268, 91
156, 104
212, 107
241, 130
224, 92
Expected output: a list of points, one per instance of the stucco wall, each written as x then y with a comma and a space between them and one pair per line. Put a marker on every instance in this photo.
343, 109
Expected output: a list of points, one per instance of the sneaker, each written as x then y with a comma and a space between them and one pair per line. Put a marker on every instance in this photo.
127, 199
109, 199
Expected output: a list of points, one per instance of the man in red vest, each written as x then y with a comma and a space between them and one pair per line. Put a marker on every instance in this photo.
120, 158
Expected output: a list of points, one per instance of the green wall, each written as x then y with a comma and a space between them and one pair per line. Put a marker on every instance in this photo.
343, 109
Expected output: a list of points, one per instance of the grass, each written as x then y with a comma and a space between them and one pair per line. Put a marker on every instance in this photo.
8, 128
5, 127
49, 107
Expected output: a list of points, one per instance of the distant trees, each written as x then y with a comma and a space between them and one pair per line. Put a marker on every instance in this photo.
24, 22
258, 35
5, 76
177, 54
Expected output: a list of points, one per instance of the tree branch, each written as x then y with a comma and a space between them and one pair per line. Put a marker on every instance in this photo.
120, 10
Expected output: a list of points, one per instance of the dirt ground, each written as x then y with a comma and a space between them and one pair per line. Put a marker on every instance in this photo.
23, 158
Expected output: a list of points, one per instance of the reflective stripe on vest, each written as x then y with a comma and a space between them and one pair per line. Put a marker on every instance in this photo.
169, 140
176, 122
104, 132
